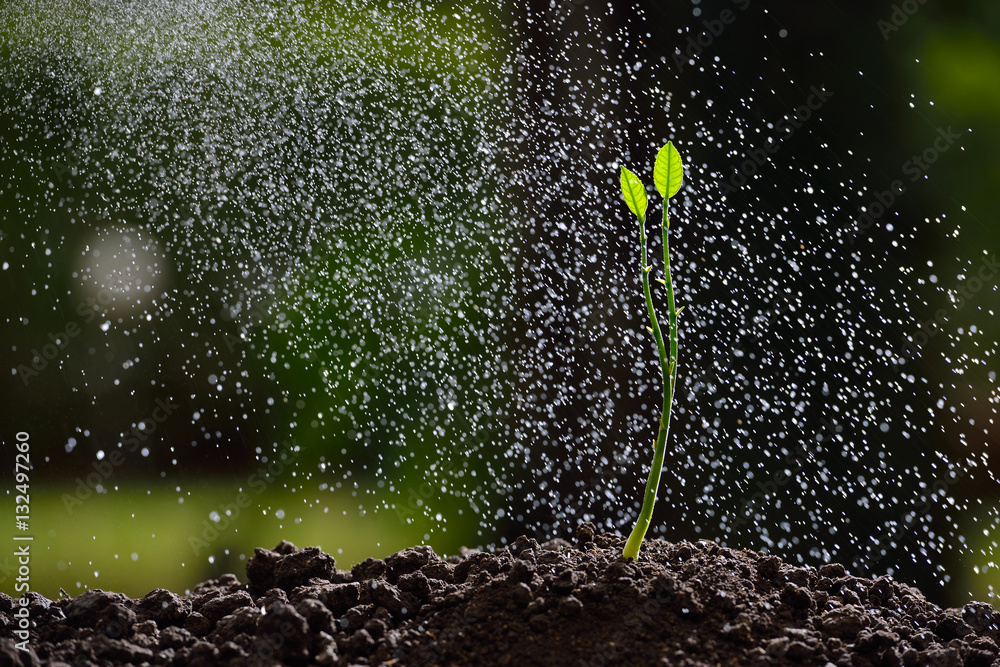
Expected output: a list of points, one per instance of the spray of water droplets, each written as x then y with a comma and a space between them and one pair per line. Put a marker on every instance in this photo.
388, 236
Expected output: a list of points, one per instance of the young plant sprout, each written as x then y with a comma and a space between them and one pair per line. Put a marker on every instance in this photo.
668, 173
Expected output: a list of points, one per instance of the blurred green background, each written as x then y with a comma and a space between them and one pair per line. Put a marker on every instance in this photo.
241, 228
314, 211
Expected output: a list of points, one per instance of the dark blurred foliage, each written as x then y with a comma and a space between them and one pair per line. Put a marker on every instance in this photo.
945, 52
774, 53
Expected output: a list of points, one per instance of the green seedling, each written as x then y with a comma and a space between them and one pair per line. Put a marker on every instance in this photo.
668, 173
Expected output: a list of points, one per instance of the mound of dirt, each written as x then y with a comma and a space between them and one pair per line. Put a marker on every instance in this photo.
527, 604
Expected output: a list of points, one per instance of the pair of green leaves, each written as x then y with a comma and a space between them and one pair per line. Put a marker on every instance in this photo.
668, 174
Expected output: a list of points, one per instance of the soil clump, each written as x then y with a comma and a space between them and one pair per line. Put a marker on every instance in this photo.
556, 603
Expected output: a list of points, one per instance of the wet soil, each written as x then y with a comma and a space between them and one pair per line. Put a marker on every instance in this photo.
557, 603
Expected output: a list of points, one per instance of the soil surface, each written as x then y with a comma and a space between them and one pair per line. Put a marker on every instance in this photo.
555, 603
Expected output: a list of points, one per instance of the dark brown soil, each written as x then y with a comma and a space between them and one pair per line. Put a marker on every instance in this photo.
527, 604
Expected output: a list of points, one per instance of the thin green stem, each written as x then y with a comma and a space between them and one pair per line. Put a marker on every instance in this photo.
668, 368
655, 325
671, 315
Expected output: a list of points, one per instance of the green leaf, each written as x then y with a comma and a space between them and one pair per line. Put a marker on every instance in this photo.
634, 193
668, 173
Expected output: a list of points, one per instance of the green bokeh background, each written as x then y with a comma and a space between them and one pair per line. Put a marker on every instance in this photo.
144, 521
948, 54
